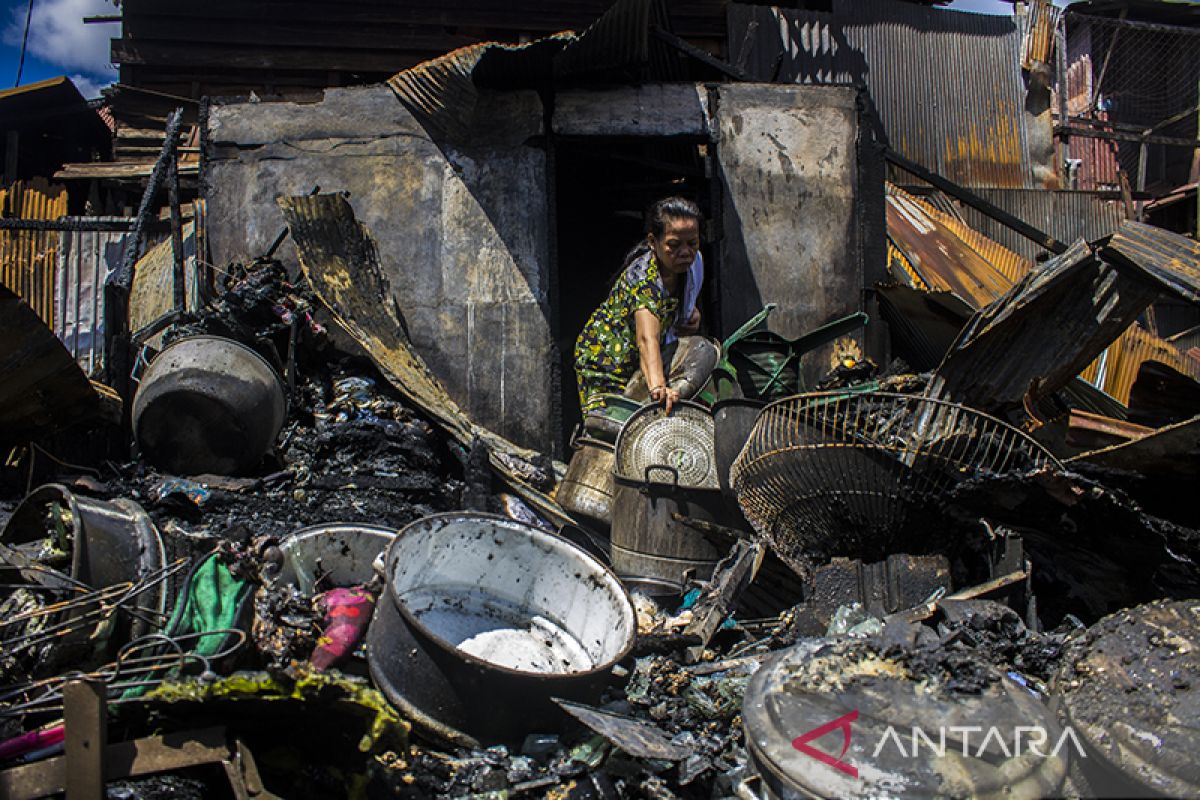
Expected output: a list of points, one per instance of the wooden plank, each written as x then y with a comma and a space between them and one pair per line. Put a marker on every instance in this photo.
118, 170
85, 704
651, 110
125, 51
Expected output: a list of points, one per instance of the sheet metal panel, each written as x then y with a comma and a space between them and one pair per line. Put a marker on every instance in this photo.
27, 258
947, 86
1065, 215
1172, 259
1117, 368
1038, 28
934, 251
85, 259
948, 255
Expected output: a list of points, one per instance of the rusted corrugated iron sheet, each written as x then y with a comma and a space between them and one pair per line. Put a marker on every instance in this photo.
1038, 26
1068, 312
1116, 370
1097, 164
937, 252
1172, 259
947, 255
1034, 340
27, 258
947, 86
443, 91
1065, 215
620, 40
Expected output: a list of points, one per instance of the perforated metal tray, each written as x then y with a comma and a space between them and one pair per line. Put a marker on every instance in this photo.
677, 449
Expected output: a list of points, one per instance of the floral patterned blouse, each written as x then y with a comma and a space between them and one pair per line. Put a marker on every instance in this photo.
606, 353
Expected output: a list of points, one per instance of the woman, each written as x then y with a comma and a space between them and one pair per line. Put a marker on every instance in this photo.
653, 299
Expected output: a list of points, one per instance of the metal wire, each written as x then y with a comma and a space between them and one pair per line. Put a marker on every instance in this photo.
84, 608
144, 662
830, 471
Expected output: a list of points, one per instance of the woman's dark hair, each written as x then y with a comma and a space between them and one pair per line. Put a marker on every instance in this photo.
656, 223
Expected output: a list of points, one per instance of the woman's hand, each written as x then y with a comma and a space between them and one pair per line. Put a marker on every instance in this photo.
691, 326
665, 395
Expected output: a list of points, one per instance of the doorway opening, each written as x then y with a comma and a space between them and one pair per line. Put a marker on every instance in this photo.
603, 185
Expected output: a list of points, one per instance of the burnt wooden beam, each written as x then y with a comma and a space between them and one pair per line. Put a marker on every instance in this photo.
721, 593
976, 202
689, 49
1124, 136
120, 282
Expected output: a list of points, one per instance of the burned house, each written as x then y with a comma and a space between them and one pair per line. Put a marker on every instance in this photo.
295, 502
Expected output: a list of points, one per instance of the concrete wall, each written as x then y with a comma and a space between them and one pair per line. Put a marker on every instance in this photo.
791, 214
462, 232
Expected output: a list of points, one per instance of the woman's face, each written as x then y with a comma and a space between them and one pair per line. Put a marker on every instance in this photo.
676, 249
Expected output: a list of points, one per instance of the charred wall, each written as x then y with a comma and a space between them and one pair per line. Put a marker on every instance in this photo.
462, 231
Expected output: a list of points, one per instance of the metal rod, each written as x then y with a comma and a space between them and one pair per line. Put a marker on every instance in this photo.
1112, 44
978, 203
179, 287
68, 224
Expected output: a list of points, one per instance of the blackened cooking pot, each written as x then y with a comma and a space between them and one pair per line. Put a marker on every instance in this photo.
483, 619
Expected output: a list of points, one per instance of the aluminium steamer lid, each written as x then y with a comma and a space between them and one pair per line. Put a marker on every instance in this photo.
655, 448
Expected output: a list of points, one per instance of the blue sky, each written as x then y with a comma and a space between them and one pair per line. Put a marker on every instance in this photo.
60, 44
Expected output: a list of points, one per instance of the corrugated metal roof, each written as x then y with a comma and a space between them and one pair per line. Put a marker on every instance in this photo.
620, 40
947, 86
1065, 215
1038, 42
443, 91
948, 255
1172, 259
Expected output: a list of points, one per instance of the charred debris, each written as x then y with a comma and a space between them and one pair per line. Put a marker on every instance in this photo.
304, 525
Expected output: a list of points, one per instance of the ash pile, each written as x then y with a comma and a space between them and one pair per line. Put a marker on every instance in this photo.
316, 577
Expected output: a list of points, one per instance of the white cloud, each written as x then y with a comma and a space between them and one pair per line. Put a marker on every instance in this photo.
58, 35
88, 87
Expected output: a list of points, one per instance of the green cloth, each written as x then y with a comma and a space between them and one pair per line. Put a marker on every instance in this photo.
606, 353
210, 601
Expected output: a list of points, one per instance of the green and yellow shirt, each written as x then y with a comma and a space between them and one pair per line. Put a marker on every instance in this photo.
606, 353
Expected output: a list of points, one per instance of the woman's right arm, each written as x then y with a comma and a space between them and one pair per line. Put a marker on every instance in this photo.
648, 331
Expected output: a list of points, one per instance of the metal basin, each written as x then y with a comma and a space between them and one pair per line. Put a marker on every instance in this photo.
321, 557
484, 619
208, 405
111, 543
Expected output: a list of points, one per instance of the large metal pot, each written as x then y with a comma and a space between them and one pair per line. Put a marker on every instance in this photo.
111, 542
666, 468
208, 405
586, 490
649, 541
484, 619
